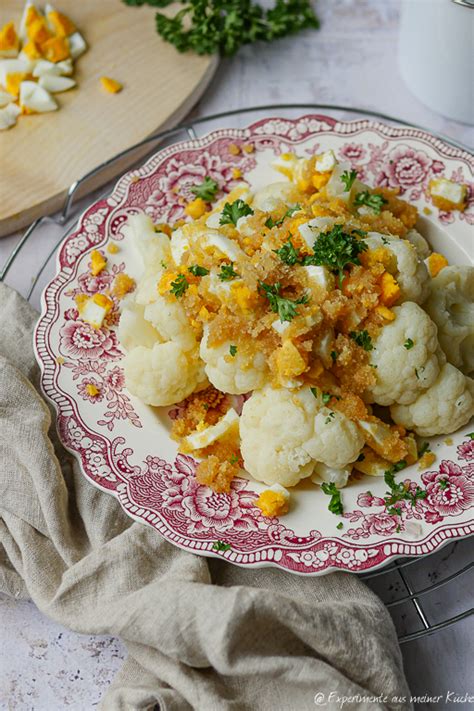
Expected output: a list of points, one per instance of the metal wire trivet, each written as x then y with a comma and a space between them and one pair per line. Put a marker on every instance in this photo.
405, 576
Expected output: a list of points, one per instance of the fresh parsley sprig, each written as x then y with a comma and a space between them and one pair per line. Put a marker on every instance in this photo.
289, 254
335, 505
362, 339
179, 285
233, 211
211, 26
372, 200
348, 178
227, 272
206, 190
270, 222
285, 308
336, 249
198, 271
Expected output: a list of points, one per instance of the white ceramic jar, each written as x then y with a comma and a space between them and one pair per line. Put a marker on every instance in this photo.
436, 55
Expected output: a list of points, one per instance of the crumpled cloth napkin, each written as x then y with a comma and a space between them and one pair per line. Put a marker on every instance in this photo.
201, 634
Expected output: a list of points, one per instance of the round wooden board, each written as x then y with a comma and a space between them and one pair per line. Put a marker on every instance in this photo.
43, 154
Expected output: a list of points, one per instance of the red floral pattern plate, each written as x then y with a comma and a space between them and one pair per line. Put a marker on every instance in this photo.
124, 447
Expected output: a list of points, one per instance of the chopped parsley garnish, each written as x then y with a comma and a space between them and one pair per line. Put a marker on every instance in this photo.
288, 254
233, 350
206, 190
340, 525
408, 344
326, 397
285, 308
270, 222
371, 200
163, 264
330, 417
227, 272
425, 447
400, 491
233, 211
221, 546
336, 249
417, 372
362, 339
314, 391
179, 285
335, 505
196, 270
234, 459
361, 457
348, 178
333, 356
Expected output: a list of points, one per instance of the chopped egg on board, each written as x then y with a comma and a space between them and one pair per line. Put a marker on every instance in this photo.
203, 438
5, 98
93, 309
77, 45
43, 67
30, 14
55, 84
274, 501
35, 99
448, 195
8, 116
9, 41
13, 66
58, 23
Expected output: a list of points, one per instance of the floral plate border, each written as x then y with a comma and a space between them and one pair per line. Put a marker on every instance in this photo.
164, 493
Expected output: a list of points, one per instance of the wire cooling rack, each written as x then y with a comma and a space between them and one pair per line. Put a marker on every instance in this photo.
424, 595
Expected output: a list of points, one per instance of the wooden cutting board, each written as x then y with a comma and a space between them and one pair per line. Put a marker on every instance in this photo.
43, 154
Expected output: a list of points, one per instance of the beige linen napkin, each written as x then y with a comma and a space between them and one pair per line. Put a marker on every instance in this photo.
201, 634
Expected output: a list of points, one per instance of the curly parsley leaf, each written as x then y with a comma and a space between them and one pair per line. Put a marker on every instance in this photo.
233, 211
425, 447
408, 344
221, 546
285, 308
270, 222
289, 254
179, 285
336, 249
198, 271
227, 272
206, 190
348, 178
362, 339
335, 505
233, 350
372, 200
326, 397
400, 491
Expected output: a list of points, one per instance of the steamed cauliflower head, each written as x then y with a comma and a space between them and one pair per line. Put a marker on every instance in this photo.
284, 433
162, 375
451, 306
409, 269
236, 374
269, 197
445, 407
133, 329
153, 247
406, 357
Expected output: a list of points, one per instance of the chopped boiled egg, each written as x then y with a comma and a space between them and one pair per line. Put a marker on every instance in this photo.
320, 276
197, 207
310, 230
113, 87
35, 99
8, 116
325, 162
285, 163
43, 67
59, 24
77, 45
30, 52
94, 309
38, 31
435, 263
5, 98
30, 14
13, 66
448, 195
331, 475
371, 463
203, 438
98, 262
9, 41
55, 84
274, 501
211, 241
123, 284
55, 49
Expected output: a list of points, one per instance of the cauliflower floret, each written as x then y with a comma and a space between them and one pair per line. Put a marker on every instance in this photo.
233, 374
162, 375
269, 197
170, 320
274, 425
411, 272
405, 354
133, 329
445, 407
283, 433
422, 247
451, 306
153, 247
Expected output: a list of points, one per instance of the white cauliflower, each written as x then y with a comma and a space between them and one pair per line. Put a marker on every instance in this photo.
411, 272
153, 247
284, 434
170, 320
232, 374
162, 375
451, 306
406, 356
274, 426
445, 407
269, 197
133, 329
422, 247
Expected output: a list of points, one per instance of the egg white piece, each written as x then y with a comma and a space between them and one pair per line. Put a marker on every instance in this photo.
325, 162
55, 84
65, 67
331, 475
199, 440
77, 45
8, 116
448, 189
22, 31
36, 98
43, 67
320, 276
5, 98
13, 66
309, 230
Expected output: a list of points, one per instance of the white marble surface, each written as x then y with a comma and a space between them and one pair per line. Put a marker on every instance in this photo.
351, 61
